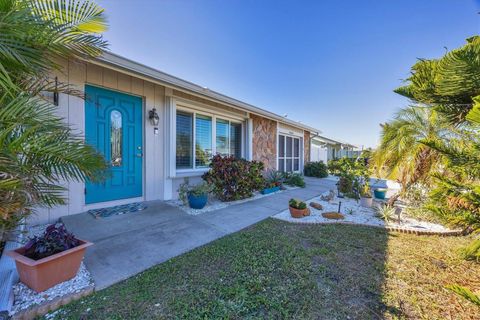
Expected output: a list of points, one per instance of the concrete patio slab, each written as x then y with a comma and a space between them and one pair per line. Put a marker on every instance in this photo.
128, 244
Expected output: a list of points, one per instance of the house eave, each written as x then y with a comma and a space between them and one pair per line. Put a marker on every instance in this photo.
110, 60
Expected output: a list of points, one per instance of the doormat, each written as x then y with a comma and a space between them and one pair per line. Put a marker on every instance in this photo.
117, 210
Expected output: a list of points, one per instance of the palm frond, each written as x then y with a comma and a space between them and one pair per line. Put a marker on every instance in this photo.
465, 293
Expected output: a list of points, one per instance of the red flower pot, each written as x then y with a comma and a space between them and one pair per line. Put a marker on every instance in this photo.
298, 213
45, 273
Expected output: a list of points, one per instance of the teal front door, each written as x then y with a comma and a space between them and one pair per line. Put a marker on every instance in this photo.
113, 125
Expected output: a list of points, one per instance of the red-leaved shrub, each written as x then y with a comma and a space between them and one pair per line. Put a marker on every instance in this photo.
234, 179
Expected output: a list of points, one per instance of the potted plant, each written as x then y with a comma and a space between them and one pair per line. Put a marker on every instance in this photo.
298, 208
270, 188
366, 199
195, 196
198, 195
49, 259
380, 193
273, 182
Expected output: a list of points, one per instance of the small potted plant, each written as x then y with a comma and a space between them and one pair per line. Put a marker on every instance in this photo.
273, 182
380, 193
298, 208
195, 196
270, 188
49, 259
198, 195
366, 199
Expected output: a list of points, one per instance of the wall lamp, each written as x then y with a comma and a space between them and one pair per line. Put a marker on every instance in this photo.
153, 117
154, 120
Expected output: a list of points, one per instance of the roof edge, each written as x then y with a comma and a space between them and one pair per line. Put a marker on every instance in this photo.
121, 62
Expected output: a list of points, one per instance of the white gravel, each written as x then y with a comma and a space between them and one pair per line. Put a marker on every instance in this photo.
24, 297
354, 213
215, 204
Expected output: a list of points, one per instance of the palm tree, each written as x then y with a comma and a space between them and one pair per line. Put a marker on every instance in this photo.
38, 150
401, 155
448, 84
35, 34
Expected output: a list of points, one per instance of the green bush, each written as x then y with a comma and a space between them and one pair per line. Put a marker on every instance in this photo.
345, 185
293, 179
342, 166
234, 179
316, 169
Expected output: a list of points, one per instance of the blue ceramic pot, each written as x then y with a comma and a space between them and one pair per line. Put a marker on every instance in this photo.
270, 190
197, 202
380, 193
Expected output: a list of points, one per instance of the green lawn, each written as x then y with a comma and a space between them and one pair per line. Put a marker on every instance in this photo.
280, 270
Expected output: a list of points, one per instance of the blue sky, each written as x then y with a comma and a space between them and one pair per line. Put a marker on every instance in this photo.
330, 64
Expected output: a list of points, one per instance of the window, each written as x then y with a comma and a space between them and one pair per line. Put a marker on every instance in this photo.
184, 140
288, 153
198, 128
222, 137
236, 140
229, 138
116, 138
203, 141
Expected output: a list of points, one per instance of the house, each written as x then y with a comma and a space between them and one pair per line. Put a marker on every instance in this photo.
156, 129
326, 149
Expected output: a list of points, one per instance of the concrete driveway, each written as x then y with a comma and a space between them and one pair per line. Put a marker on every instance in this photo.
128, 244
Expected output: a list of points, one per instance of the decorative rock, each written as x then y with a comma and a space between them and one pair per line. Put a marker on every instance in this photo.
316, 205
333, 215
328, 196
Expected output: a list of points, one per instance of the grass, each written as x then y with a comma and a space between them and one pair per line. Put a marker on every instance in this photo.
280, 270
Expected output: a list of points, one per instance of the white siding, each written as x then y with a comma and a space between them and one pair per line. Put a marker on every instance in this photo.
71, 108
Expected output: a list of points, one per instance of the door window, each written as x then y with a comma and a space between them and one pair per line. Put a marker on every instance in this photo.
116, 138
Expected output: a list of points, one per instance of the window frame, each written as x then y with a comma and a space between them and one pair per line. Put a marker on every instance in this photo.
213, 116
292, 157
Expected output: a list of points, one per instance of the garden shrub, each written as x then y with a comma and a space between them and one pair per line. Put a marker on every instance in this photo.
343, 165
293, 179
345, 185
316, 169
234, 179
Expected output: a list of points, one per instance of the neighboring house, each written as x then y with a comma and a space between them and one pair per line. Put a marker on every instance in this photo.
155, 129
326, 149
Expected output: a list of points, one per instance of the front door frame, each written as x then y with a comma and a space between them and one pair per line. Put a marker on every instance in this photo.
111, 203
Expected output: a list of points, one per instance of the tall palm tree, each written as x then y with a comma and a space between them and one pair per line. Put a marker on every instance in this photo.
401, 155
38, 151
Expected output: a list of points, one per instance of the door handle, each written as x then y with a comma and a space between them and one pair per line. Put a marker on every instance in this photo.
139, 155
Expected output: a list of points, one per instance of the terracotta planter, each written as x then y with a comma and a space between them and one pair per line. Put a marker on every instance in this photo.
299, 213
43, 274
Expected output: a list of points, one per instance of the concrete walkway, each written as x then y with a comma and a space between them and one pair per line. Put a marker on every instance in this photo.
128, 244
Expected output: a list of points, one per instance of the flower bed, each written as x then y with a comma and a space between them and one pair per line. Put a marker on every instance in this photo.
215, 204
356, 214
